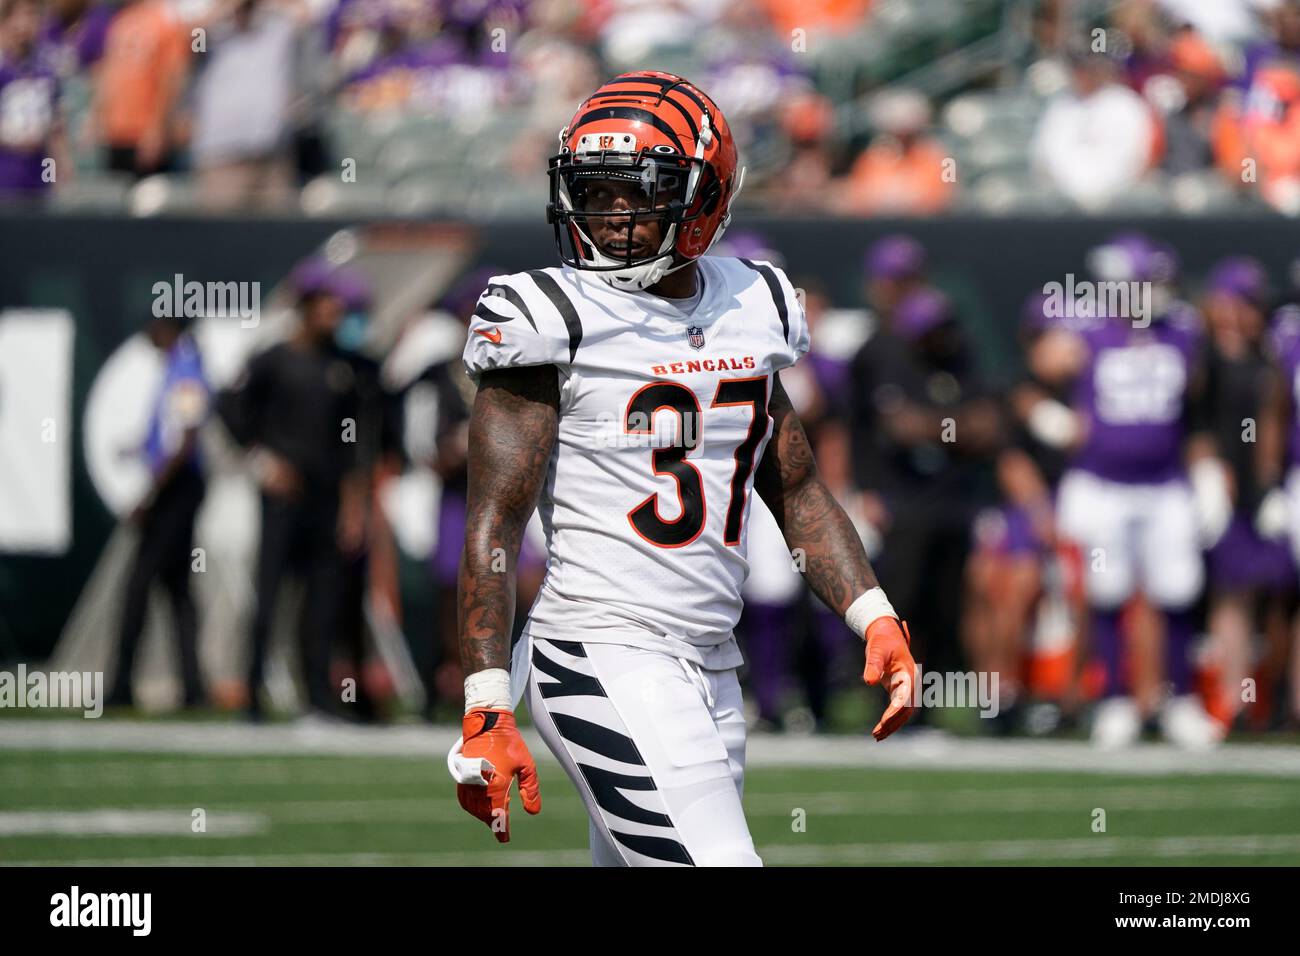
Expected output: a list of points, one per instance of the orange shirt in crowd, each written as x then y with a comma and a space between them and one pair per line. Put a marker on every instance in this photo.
1270, 137
144, 55
887, 178
838, 15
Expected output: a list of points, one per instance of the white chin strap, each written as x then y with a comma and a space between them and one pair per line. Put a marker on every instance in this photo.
640, 276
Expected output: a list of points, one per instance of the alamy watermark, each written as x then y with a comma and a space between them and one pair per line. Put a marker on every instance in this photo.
1085, 299
54, 690
960, 689
196, 300
133, 911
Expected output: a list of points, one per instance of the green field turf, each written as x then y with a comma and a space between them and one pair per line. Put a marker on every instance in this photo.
348, 810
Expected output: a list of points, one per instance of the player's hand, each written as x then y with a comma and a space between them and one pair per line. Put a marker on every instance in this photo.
492, 755
889, 656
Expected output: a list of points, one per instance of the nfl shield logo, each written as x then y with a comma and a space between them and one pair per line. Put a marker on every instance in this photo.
695, 335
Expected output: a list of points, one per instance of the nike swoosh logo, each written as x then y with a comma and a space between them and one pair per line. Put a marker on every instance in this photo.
492, 335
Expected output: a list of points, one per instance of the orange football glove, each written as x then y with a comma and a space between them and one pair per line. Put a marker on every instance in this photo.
492, 735
889, 656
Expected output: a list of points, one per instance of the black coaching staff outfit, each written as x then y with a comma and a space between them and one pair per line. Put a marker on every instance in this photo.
296, 408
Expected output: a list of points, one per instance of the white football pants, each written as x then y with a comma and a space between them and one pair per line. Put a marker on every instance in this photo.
655, 746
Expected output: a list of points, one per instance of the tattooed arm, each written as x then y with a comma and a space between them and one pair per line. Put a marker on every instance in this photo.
512, 430
812, 521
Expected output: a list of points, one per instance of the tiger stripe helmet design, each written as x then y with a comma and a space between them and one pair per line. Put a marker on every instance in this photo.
662, 133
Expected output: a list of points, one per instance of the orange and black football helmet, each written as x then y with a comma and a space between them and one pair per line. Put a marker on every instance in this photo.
664, 135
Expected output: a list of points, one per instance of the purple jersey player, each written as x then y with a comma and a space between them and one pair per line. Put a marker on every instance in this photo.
1251, 573
1132, 395
1284, 341
1285, 347
1126, 498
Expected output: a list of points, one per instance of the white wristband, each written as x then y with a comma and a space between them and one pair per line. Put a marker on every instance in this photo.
870, 606
488, 688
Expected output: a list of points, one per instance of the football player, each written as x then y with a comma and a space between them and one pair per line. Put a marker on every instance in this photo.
633, 395
1251, 575
1141, 485
1015, 576
1279, 513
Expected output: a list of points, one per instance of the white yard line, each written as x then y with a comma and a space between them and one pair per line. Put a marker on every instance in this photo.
80, 823
922, 752
66, 773
439, 808
1255, 796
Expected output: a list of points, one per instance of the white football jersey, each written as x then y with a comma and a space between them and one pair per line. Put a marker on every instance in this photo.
663, 420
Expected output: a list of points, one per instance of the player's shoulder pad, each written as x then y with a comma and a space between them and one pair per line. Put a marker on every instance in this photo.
787, 303
524, 318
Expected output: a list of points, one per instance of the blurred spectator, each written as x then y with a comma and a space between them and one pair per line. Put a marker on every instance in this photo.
1248, 573
1141, 33
166, 514
901, 171
893, 267
924, 426
830, 17
1187, 97
1280, 469
630, 31
805, 182
513, 69
291, 408
242, 97
558, 71
1096, 140
390, 80
139, 85
1145, 488
418, 66
31, 127
1257, 142
1219, 21
75, 32
755, 79
378, 438
313, 87
1281, 46
1015, 562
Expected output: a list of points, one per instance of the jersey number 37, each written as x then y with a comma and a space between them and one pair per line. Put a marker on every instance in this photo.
638, 420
